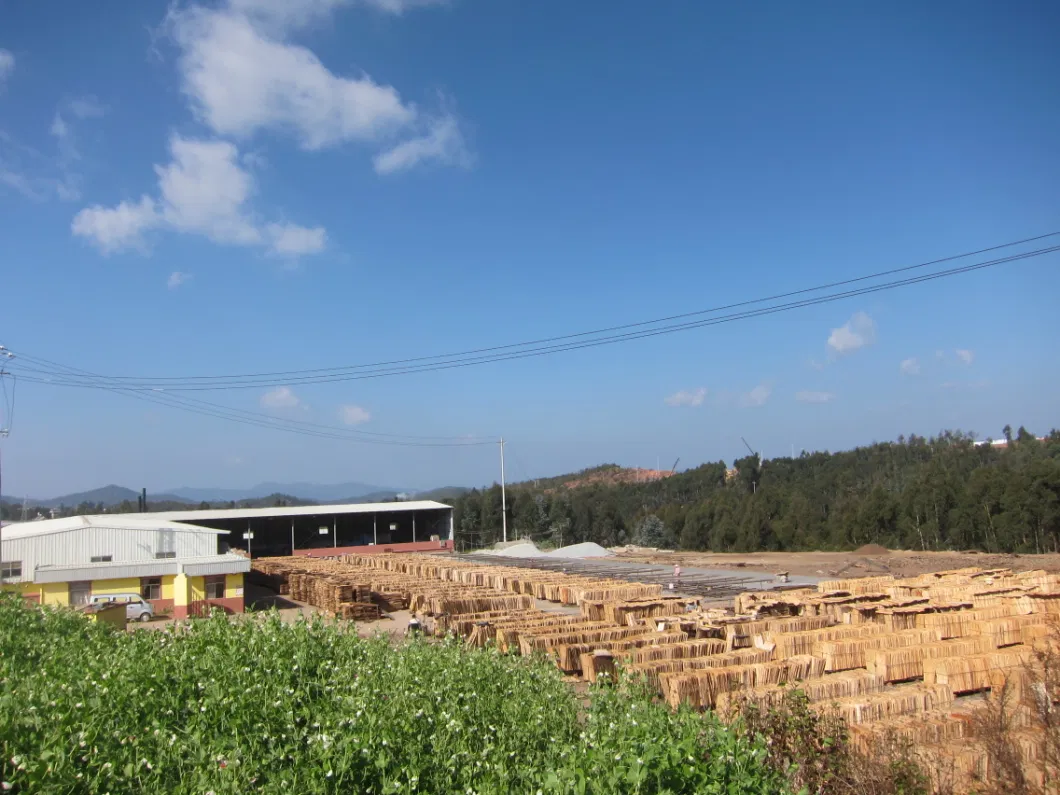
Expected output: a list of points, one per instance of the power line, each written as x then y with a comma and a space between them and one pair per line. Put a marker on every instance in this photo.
462, 360
308, 376
242, 416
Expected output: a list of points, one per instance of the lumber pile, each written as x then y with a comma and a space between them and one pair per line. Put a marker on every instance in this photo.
568, 655
910, 699
654, 670
358, 611
895, 658
597, 665
902, 664
685, 650
841, 655
975, 672
702, 688
629, 612
829, 688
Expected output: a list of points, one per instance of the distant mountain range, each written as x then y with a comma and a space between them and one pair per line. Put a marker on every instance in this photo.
337, 492
305, 492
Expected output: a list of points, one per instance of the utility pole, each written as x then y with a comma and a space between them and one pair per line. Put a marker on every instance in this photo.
5, 430
504, 501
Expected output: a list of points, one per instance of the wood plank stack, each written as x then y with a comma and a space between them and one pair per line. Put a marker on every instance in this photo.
702, 688
975, 672
902, 664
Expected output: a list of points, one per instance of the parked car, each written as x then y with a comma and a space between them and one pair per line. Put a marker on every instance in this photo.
136, 608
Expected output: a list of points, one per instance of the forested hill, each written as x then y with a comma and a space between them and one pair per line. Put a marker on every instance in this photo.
944, 492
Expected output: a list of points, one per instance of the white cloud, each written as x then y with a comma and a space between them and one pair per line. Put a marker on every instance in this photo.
203, 190
86, 107
966, 356
284, 14
176, 279
19, 182
399, 6
814, 397
287, 14
117, 228
687, 397
443, 142
7, 65
291, 240
910, 366
282, 397
41, 175
241, 75
757, 396
354, 415
239, 81
856, 333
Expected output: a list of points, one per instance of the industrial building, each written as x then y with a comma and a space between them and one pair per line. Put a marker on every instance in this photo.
185, 561
413, 526
180, 568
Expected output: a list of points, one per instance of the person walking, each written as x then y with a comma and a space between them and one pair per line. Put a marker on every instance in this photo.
413, 627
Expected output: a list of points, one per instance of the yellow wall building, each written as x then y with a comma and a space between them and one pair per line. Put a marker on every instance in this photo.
175, 566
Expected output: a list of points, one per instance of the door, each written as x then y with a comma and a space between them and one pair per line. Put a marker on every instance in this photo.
80, 593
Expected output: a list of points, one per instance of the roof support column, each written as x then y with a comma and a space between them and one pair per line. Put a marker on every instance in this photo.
335, 532
375, 528
292, 536
413, 527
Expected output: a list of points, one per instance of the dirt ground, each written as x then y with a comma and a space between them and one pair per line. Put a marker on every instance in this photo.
902, 563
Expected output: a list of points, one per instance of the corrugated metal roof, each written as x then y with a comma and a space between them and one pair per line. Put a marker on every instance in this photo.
303, 510
135, 521
214, 564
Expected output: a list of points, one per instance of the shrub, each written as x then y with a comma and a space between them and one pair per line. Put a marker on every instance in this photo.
259, 705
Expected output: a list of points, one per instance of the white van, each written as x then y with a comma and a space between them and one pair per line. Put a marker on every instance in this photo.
136, 608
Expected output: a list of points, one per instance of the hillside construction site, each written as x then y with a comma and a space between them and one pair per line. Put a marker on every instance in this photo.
914, 660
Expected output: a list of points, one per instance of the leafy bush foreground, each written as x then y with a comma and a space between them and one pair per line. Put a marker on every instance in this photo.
246, 706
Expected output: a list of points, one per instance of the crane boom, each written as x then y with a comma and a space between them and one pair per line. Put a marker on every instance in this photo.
674, 468
745, 444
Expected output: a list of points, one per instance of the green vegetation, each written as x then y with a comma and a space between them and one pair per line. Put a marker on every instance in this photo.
261, 706
940, 493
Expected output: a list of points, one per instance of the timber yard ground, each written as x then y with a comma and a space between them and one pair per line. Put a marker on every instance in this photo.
713, 576
859, 563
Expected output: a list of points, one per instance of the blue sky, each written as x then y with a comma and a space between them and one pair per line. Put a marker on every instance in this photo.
257, 186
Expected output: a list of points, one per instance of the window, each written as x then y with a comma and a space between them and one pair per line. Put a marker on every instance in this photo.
102, 558
215, 587
10, 569
151, 587
165, 554
80, 593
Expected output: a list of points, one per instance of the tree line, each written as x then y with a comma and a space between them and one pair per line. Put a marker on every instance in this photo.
937, 493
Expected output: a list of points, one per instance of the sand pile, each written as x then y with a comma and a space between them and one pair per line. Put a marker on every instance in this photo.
586, 550
526, 549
